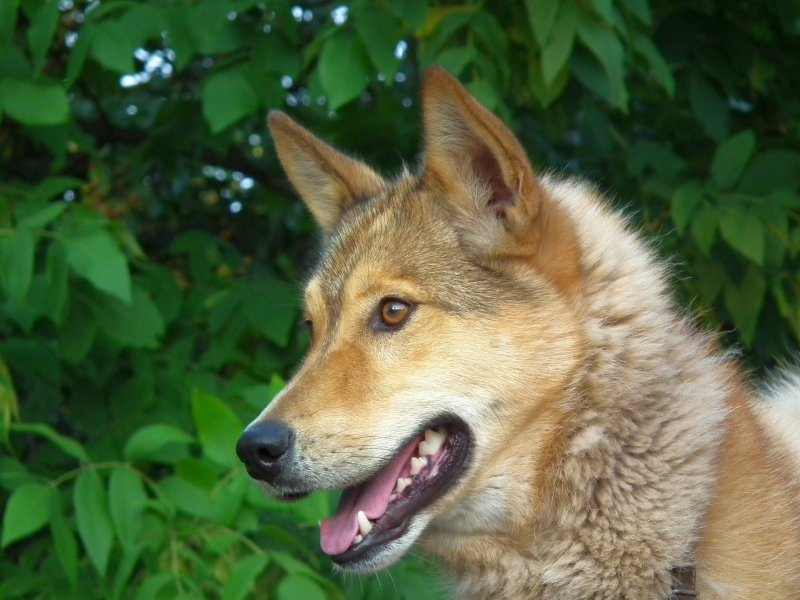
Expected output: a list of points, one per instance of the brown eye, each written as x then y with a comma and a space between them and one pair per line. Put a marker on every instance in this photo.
310, 326
393, 313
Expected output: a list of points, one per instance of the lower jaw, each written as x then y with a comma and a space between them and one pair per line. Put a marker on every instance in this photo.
378, 554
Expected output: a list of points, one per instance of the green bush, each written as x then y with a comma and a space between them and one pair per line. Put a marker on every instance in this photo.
151, 252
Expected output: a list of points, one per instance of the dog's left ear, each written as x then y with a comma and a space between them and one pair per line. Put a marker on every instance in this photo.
327, 180
485, 175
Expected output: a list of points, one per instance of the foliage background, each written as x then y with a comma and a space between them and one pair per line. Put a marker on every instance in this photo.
151, 251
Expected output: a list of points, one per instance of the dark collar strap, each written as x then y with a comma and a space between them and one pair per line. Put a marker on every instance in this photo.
683, 583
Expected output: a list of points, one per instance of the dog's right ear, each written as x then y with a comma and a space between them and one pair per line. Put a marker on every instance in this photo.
327, 180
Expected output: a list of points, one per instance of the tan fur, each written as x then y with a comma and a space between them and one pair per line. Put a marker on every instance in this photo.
611, 440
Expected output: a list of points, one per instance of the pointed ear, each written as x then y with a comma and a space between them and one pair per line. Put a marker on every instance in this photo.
465, 142
327, 180
487, 178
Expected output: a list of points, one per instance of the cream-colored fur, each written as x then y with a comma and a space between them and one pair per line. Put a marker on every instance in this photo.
611, 440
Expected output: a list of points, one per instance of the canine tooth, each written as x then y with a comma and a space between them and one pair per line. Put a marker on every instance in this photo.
358, 539
364, 524
417, 464
402, 484
434, 440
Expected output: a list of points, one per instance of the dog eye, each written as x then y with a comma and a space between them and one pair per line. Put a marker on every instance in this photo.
392, 313
310, 326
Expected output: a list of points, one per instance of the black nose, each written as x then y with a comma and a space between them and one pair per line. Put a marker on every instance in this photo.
261, 447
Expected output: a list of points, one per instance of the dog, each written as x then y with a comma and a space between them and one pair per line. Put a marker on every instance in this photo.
499, 375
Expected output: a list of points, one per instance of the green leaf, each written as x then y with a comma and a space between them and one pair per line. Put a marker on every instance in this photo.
92, 517
64, 540
293, 566
744, 233
217, 427
152, 441
744, 302
138, 324
242, 577
66, 445
27, 511
187, 497
704, 227
541, 16
491, 35
127, 501
16, 263
13, 474
730, 159
198, 471
143, 21
78, 331
9, 402
270, 307
456, 58
485, 93
342, 68
228, 98
659, 68
414, 13
605, 9
380, 32
56, 280
557, 50
684, 202
43, 217
77, 56
770, 171
313, 509
709, 107
641, 9
44, 23
210, 30
49, 189
258, 396
547, 94
112, 47
152, 587
709, 279
125, 570
601, 40
293, 587
274, 56
34, 103
95, 256
227, 501
8, 20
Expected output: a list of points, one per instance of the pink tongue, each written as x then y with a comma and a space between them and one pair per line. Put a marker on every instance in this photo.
338, 532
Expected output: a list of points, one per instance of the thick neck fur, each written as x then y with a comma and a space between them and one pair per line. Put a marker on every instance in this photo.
614, 497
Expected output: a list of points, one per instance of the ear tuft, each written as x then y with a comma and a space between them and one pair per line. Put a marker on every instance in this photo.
327, 180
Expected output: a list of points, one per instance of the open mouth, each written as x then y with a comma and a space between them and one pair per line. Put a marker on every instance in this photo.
378, 511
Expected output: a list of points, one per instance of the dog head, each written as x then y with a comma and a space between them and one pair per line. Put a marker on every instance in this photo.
441, 326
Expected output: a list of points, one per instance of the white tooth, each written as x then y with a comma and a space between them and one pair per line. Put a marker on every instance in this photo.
402, 484
392, 497
417, 464
364, 524
358, 539
434, 440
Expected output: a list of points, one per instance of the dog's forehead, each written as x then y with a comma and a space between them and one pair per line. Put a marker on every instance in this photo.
394, 231
401, 234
